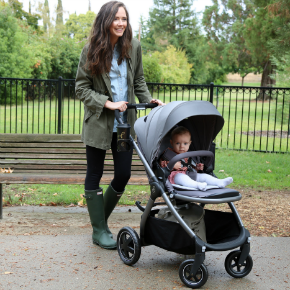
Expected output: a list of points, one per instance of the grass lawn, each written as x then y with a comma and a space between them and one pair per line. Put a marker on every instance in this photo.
250, 170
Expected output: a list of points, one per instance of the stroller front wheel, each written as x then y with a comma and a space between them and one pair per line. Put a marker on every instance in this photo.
129, 246
192, 281
235, 269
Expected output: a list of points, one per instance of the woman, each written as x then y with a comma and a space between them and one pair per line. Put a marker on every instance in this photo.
109, 75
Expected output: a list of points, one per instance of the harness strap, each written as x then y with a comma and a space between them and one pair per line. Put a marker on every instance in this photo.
169, 154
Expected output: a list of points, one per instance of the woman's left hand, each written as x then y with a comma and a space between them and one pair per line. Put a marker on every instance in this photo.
157, 102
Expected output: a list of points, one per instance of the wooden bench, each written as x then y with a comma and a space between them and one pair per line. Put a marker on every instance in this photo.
52, 159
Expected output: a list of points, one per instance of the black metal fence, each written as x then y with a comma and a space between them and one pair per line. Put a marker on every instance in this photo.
256, 118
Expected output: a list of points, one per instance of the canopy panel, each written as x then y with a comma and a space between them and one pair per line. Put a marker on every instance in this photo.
201, 118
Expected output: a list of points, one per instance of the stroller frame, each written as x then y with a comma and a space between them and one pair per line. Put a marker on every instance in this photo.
129, 245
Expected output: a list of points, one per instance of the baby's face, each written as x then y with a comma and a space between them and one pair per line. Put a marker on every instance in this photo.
181, 143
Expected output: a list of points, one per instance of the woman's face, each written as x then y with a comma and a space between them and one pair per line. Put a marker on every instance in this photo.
119, 25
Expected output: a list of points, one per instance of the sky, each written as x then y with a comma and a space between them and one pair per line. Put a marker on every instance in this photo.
136, 8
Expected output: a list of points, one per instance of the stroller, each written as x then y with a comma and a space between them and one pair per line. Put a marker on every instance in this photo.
224, 230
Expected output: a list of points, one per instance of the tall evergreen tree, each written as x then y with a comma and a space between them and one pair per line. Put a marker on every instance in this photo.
59, 13
46, 16
169, 18
172, 22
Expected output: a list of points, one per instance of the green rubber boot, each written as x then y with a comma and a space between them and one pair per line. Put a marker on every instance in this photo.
95, 205
111, 198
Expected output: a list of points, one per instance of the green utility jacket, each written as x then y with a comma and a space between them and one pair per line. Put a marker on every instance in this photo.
94, 91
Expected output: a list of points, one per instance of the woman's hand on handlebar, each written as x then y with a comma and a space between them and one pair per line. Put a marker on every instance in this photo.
157, 102
121, 106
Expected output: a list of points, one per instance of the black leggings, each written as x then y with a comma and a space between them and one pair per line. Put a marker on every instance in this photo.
95, 166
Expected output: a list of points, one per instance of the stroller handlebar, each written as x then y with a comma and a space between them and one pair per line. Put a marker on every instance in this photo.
141, 106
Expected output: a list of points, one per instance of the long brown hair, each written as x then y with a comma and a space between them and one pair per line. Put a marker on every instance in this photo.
100, 53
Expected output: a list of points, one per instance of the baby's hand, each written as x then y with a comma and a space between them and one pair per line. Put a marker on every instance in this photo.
177, 165
199, 166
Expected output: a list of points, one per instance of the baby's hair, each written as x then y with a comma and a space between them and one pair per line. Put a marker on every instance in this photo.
180, 130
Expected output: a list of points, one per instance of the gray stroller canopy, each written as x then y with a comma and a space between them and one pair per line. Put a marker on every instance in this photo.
201, 118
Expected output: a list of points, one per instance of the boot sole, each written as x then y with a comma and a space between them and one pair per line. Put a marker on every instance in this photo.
104, 247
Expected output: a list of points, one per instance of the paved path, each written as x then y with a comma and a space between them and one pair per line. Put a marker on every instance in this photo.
73, 262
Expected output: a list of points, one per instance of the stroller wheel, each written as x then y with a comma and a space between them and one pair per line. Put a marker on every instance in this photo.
128, 245
238, 270
196, 281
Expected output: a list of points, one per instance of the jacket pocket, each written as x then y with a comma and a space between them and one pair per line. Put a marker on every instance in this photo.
88, 114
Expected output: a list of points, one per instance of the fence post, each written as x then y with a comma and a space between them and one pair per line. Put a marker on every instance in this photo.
59, 96
1, 198
211, 92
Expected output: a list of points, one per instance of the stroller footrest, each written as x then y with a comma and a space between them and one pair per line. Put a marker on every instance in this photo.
215, 193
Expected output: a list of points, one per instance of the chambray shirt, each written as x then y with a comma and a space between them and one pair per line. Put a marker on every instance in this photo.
119, 85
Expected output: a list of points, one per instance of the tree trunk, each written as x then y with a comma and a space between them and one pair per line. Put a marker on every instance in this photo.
266, 81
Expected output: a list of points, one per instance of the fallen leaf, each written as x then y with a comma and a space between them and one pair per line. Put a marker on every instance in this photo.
71, 205
267, 162
221, 171
269, 170
81, 202
55, 194
53, 203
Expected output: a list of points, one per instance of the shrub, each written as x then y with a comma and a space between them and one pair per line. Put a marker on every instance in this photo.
174, 65
152, 69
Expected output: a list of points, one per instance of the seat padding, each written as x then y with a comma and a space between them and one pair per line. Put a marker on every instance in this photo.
214, 193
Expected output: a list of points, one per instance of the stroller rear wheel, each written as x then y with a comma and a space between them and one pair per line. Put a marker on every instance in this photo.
235, 269
192, 281
128, 245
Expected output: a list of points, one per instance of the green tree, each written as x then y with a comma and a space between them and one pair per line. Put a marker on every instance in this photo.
279, 13
59, 13
174, 65
147, 38
14, 54
172, 22
258, 31
224, 26
79, 26
31, 19
65, 52
46, 16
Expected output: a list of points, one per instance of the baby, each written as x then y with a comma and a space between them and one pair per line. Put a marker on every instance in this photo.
180, 142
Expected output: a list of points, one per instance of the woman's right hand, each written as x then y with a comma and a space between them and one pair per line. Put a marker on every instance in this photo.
121, 106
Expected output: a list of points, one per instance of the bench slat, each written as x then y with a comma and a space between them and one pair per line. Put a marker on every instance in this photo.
71, 172
30, 138
13, 163
21, 168
44, 144
61, 179
43, 150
